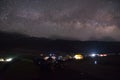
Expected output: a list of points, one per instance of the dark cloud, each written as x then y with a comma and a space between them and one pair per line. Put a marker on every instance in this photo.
68, 19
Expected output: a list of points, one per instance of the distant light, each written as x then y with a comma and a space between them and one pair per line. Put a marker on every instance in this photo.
9, 59
68, 57
45, 58
95, 62
78, 56
53, 57
1, 60
103, 55
50, 54
41, 54
60, 57
93, 55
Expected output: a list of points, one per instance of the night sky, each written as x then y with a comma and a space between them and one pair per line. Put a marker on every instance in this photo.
62, 19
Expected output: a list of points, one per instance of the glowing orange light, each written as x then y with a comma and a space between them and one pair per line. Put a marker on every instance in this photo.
78, 56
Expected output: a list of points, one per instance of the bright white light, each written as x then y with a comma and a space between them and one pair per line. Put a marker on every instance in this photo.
9, 59
93, 55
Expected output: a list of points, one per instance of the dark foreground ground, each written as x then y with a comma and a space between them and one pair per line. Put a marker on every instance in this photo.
73, 70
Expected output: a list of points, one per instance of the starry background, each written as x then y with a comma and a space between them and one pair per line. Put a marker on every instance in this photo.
62, 19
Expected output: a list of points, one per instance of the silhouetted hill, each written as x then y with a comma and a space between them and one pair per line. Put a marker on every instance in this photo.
15, 40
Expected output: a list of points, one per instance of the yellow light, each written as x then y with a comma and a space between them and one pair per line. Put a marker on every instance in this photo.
78, 56
1, 60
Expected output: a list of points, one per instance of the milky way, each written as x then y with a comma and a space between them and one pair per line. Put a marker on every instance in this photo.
63, 19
